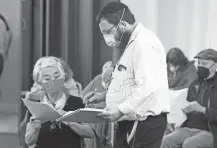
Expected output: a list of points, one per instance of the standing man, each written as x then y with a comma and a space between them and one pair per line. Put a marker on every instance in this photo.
138, 96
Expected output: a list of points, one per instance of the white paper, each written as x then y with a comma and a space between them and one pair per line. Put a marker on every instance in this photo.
46, 112
178, 100
41, 111
85, 115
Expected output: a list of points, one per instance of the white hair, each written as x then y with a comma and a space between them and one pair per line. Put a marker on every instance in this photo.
44, 62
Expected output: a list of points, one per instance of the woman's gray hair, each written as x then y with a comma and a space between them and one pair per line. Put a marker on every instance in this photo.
44, 62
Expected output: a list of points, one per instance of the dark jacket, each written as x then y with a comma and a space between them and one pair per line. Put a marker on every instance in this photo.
211, 108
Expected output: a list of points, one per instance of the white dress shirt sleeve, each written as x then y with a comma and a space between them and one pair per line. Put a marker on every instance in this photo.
147, 68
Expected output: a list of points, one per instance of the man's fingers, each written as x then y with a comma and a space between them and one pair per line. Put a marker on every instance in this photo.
103, 114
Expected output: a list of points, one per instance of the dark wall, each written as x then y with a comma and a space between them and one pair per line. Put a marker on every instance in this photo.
67, 29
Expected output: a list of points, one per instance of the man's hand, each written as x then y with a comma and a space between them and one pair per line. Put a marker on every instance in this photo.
111, 114
94, 97
194, 106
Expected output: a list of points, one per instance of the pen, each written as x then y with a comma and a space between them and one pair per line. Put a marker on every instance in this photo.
86, 106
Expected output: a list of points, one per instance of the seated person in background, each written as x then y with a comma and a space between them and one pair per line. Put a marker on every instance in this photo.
181, 72
100, 84
200, 128
73, 87
49, 77
5, 43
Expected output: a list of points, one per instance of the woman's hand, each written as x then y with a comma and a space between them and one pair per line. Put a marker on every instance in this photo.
69, 124
61, 112
32, 131
35, 123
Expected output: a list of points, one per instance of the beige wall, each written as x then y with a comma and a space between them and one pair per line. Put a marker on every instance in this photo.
188, 24
11, 78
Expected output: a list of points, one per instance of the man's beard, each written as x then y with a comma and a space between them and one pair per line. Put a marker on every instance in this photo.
118, 51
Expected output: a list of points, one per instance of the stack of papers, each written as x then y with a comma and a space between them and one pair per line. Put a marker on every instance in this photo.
178, 101
46, 112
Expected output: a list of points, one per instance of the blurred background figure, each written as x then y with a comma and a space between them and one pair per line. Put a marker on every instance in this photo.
74, 87
181, 71
98, 85
5, 42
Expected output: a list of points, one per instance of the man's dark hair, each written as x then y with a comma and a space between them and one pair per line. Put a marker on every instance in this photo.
113, 11
176, 57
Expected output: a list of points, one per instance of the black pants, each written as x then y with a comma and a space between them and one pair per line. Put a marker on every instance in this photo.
149, 133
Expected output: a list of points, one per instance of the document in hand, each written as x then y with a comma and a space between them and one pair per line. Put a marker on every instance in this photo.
46, 112
42, 111
84, 115
178, 100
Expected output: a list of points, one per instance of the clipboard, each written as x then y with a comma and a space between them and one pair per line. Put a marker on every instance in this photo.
84, 115
46, 112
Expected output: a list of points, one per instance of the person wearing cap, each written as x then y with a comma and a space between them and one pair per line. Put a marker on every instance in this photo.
138, 95
200, 128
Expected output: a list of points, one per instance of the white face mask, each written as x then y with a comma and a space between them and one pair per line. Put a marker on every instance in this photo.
110, 39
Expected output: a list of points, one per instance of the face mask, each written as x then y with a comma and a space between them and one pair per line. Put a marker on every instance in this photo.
203, 72
53, 86
110, 39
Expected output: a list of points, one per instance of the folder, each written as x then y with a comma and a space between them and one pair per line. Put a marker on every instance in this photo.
46, 112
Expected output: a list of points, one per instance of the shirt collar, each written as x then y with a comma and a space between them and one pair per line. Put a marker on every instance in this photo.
135, 32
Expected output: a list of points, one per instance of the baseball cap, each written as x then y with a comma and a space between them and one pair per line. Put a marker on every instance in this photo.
207, 54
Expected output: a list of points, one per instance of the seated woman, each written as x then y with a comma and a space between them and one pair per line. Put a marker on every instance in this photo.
49, 87
100, 84
181, 71
70, 86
